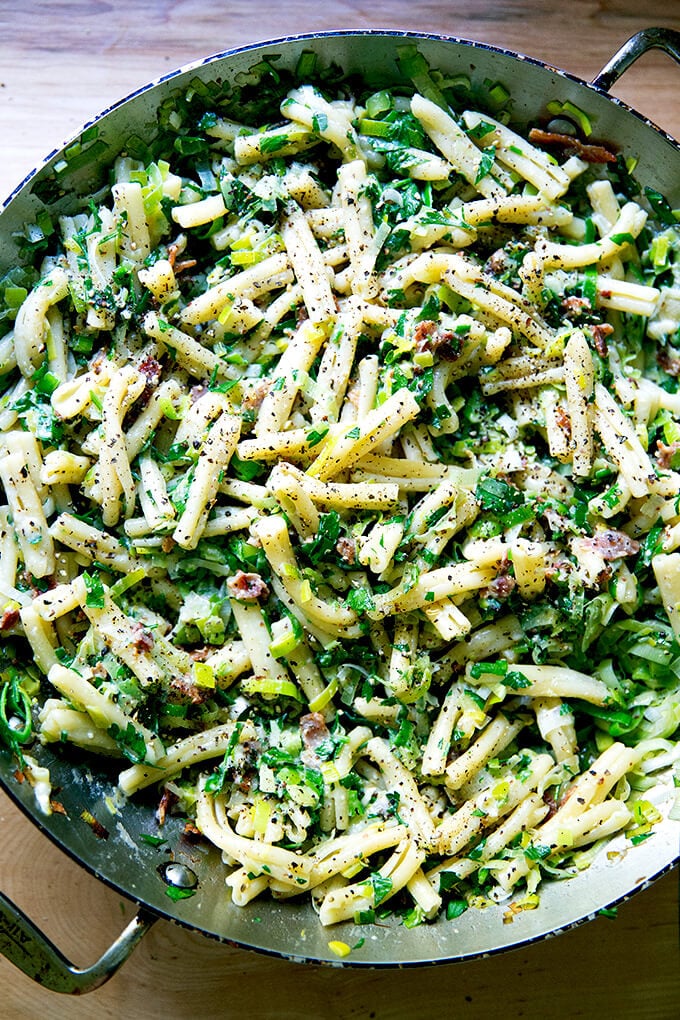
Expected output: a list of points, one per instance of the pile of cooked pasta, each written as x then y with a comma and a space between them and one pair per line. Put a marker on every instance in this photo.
341, 467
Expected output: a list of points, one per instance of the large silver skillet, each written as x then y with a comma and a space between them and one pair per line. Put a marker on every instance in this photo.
292, 929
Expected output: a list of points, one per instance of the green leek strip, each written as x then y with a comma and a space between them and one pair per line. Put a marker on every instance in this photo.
379, 102
375, 128
261, 813
318, 703
127, 581
270, 687
571, 111
286, 642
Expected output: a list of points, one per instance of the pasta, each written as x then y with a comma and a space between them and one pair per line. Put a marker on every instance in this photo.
340, 464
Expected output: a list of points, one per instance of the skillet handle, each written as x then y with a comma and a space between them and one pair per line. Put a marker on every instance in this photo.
666, 39
33, 953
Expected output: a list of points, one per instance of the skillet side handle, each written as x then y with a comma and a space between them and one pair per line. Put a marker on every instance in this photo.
33, 953
666, 39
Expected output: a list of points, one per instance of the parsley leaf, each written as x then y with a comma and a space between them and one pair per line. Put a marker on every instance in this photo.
380, 885
326, 538
95, 597
497, 496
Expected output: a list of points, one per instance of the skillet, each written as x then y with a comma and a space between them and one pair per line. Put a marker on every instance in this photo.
124, 860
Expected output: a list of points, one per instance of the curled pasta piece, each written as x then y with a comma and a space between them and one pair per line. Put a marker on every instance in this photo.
550, 682
307, 262
130, 216
482, 811
31, 324
196, 748
585, 813
292, 869
579, 380
30, 522
294, 363
519, 155
343, 903
528, 813
114, 482
59, 721
270, 274
102, 710
494, 738
331, 121
212, 462
332, 618
348, 445
396, 776
431, 587
456, 147
567, 256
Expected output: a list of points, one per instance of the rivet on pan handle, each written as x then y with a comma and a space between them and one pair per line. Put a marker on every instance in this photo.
666, 39
26, 947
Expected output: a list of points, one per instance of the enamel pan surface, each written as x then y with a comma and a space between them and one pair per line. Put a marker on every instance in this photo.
123, 860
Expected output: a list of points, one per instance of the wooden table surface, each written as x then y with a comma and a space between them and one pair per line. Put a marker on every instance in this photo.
62, 62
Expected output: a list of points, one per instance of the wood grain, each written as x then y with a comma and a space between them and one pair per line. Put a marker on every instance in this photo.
62, 62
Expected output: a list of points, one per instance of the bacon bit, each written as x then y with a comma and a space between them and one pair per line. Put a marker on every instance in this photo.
174, 250
563, 420
179, 267
600, 334
246, 756
501, 587
57, 807
143, 639
191, 833
604, 577
99, 830
665, 454
166, 804
247, 587
612, 544
152, 370
573, 146
19, 776
9, 618
668, 363
424, 331
188, 691
314, 731
27, 581
167, 544
201, 654
551, 802
256, 395
575, 306
429, 337
497, 263
347, 550
561, 567
102, 358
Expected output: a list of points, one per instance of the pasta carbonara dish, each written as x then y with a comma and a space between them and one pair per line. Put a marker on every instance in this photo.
340, 489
